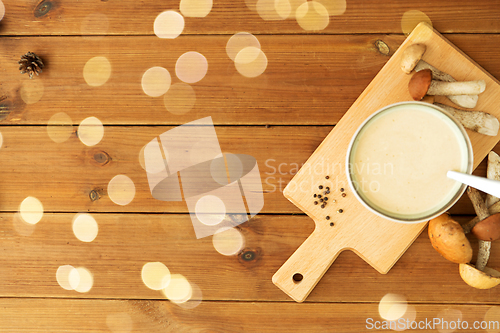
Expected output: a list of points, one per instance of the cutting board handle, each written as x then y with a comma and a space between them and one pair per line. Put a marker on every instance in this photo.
302, 271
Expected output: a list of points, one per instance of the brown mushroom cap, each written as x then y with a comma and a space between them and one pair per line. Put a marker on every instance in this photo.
419, 84
488, 229
486, 279
448, 238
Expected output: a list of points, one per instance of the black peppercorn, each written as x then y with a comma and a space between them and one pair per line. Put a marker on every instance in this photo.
327, 177
340, 211
328, 217
315, 202
341, 189
323, 206
320, 187
332, 224
344, 195
326, 198
314, 195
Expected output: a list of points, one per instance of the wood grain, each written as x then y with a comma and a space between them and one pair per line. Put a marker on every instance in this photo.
126, 242
63, 175
309, 80
65, 17
62, 315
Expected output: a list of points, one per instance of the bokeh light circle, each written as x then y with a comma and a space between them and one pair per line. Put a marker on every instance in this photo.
121, 190
85, 227
60, 127
312, 16
392, 306
155, 275
228, 241
191, 67
156, 81
210, 210
250, 62
451, 316
97, 71
81, 280
411, 19
62, 276
179, 289
32, 91
169, 24
90, 131
179, 99
195, 8
151, 157
493, 316
31, 210
238, 42
2, 10
267, 9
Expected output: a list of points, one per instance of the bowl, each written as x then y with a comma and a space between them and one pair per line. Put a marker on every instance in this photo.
397, 161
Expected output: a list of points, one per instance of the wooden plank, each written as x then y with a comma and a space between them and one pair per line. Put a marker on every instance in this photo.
60, 315
63, 176
126, 242
64, 17
309, 80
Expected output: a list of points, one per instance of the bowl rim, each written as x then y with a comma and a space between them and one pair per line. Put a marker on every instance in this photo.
460, 191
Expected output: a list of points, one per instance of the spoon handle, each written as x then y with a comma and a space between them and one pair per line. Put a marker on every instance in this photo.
486, 185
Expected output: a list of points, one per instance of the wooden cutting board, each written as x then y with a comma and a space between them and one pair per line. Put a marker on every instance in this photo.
378, 241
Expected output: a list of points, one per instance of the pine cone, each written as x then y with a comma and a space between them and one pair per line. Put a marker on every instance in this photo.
30, 63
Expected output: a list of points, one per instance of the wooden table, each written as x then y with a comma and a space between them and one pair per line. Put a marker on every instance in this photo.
278, 117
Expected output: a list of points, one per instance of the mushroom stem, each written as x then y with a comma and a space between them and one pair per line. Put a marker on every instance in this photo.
465, 101
478, 203
477, 121
436, 73
483, 254
493, 209
493, 172
482, 212
441, 88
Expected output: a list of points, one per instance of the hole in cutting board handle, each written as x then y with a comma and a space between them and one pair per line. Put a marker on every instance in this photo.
297, 277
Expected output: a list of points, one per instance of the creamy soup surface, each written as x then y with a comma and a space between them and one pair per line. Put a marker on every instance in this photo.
400, 159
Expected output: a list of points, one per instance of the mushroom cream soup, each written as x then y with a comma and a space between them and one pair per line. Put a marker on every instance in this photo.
399, 160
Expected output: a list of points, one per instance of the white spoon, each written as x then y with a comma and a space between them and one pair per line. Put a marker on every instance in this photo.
486, 185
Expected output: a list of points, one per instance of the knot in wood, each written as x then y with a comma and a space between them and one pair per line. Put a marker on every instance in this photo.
248, 255
94, 195
382, 47
101, 158
43, 8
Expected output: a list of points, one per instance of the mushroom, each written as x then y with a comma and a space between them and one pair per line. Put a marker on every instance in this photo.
422, 84
465, 101
411, 56
412, 59
486, 279
448, 238
488, 229
477, 121
492, 172
493, 203
480, 276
